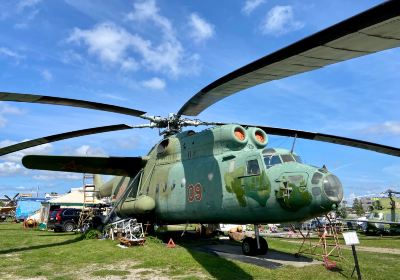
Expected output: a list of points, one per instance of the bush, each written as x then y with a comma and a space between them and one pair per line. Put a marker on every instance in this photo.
92, 234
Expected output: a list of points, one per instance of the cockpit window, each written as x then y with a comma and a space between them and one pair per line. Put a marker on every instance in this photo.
252, 167
287, 158
272, 160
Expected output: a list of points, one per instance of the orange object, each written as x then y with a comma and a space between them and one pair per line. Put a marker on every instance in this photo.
329, 264
260, 137
171, 243
239, 134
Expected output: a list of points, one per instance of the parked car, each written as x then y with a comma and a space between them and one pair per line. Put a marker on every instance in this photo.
65, 219
52, 219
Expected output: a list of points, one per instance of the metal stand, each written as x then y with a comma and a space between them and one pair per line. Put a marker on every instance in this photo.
356, 267
128, 231
326, 233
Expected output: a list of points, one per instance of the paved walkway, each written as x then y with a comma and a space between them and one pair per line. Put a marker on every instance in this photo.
273, 259
359, 248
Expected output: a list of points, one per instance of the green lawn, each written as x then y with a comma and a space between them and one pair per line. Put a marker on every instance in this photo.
48, 255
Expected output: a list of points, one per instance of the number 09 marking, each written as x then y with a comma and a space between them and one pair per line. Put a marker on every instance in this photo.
194, 192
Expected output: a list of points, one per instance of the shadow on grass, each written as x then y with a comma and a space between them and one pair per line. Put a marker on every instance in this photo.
56, 234
28, 248
218, 267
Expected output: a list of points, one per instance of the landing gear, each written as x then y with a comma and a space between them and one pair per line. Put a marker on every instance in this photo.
249, 246
254, 246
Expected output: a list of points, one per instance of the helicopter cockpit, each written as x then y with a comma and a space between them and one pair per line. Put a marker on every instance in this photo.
278, 156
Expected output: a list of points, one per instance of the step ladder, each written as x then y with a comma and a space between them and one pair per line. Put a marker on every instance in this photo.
89, 199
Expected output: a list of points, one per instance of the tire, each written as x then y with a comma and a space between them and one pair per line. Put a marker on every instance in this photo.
263, 246
69, 226
249, 246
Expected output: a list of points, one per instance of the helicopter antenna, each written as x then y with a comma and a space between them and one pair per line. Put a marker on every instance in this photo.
294, 142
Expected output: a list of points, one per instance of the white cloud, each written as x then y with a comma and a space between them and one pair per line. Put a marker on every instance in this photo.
6, 109
154, 83
17, 156
6, 52
201, 29
251, 5
280, 20
87, 150
9, 168
55, 175
108, 41
148, 11
115, 46
46, 74
113, 96
388, 127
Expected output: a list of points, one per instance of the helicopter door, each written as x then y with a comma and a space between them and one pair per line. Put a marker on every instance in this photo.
254, 183
251, 180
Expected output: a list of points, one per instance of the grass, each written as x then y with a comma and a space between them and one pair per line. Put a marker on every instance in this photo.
48, 255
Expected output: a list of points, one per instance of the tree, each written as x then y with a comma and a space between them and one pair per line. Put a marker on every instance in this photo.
341, 211
357, 207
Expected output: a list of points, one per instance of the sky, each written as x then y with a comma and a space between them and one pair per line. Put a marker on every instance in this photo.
154, 55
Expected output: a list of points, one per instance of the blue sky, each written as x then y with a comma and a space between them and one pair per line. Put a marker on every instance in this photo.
154, 55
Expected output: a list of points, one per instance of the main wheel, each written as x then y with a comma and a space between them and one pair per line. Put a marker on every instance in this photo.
263, 246
68, 227
249, 246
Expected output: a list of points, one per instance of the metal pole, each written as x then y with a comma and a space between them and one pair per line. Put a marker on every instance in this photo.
353, 248
257, 236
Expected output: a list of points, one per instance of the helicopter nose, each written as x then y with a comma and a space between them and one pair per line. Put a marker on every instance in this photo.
332, 188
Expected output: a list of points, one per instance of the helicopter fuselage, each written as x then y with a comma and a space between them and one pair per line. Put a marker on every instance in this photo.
224, 174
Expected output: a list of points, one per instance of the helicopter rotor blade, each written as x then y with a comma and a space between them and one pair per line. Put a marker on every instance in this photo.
61, 136
8, 197
15, 196
332, 139
67, 135
371, 31
33, 98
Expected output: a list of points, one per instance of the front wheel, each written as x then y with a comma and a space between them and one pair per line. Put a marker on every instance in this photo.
249, 246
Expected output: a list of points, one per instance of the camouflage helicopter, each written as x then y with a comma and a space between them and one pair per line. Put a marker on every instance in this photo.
226, 173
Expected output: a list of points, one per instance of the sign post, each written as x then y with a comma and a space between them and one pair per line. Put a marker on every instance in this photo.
351, 238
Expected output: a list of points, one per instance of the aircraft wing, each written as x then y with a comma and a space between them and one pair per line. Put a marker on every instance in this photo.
371, 221
374, 30
120, 166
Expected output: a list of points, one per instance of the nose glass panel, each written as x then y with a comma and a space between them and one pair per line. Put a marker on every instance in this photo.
333, 188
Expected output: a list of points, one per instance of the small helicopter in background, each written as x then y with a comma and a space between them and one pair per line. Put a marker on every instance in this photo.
226, 173
8, 210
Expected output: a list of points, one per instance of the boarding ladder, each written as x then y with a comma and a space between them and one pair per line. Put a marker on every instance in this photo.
89, 199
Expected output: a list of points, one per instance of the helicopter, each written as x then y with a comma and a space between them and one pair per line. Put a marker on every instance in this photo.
8, 210
226, 173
